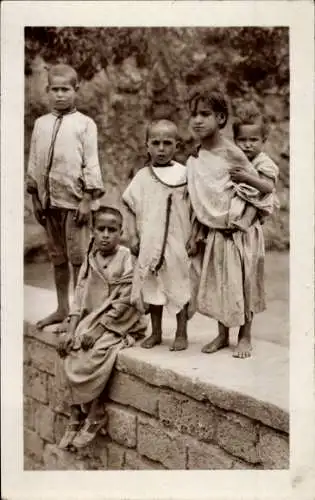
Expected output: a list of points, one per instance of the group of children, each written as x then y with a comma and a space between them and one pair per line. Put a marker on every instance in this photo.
195, 232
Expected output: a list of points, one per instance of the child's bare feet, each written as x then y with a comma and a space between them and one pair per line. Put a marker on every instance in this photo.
215, 345
149, 342
52, 319
220, 342
244, 346
243, 349
179, 344
62, 327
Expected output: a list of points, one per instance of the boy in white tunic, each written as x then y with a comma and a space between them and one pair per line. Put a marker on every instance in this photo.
157, 200
63, 178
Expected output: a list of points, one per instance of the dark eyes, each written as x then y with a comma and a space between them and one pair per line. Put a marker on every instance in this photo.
63, 89
110, 229
204, 114
165, 143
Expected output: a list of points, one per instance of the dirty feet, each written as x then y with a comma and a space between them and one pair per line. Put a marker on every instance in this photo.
55, 317
179, 344
218, 343
154, 339
243, 349
62, 327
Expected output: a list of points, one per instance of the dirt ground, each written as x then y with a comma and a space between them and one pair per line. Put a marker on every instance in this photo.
272, 325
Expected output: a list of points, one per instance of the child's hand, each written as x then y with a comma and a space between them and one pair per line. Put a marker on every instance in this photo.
87, 341
135, 247
38, 211
238, 174
83, 212
65, 345
191, 247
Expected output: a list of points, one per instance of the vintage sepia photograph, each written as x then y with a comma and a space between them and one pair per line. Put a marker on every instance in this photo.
157, 244
157, 239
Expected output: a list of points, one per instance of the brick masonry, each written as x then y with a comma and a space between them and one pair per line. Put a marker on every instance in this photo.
150, 427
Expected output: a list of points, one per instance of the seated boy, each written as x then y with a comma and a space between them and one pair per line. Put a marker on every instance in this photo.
102, 322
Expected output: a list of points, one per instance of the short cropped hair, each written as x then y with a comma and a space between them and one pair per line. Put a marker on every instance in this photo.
65, 71
165, 122
250, 114
211, 96
107, 210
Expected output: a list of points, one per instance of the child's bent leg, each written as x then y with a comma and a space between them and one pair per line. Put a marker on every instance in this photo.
95, 421
221, 341
246, 220
62, 278
244, 346
72, 427
156, 321
180, 342
76, 270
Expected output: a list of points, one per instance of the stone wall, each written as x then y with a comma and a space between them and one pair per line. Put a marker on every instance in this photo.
158, 419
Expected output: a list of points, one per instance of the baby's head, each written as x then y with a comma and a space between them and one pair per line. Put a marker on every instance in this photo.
209, 111
250, 130
62, 86
107, 224
162, 141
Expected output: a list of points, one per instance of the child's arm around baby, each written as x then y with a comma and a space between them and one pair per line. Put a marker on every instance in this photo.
262, 183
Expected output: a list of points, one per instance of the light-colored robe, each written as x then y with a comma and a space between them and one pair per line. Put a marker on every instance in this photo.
230, 270
249, 199
102, 296
162, 275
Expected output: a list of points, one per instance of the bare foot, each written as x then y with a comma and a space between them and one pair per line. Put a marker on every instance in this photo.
55, 317
180, 344
216, 344
62, 327
151, 341
243, 349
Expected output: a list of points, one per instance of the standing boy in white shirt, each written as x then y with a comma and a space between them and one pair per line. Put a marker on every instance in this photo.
63, 178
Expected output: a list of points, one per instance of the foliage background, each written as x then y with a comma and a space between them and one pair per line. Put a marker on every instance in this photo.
131, 75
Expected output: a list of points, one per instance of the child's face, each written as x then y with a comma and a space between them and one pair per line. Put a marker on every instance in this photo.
205, 122
61, 93
250, 140
107, 232
162, 145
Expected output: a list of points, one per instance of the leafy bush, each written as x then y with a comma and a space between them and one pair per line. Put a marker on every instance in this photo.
131, 75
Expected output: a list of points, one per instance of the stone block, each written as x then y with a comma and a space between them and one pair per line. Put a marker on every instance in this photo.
35, 384
58, 390
161, 444
41, 356
238, 435
206, 456
187, 415
122, 425
57, 459
59, 427
129, 390
31, 464
115, 456
46, 336
30, 407
33, 445
44, 423
273, 449
134, 461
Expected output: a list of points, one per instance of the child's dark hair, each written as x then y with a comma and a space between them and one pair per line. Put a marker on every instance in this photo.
249, 114
65, 71
107, 210
211, 96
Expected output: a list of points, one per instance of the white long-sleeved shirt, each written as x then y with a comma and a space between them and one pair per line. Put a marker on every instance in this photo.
74, 167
